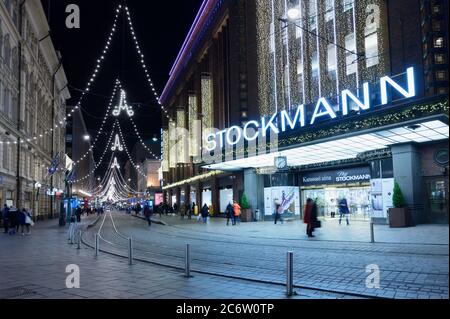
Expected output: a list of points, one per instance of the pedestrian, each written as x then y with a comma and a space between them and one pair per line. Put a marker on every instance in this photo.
189, 211
230, 214
182, 211
205, 213
175, 209
310, 216
78, 213
26, 221
278, 213
13, 222
237, 213
343, 210
148, 214
5, 215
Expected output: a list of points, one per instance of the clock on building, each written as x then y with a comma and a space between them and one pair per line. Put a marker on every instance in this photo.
281, 162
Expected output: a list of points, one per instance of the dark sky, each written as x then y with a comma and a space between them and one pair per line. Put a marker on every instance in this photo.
160, 26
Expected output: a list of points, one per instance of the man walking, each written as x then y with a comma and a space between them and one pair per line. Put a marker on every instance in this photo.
5, 215
343, 210
148, 214
230, 214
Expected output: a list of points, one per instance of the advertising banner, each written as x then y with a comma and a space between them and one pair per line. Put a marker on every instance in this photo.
287, 196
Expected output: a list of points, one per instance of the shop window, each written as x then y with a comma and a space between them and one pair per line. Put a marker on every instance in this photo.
439, 42
441, 75
439, 58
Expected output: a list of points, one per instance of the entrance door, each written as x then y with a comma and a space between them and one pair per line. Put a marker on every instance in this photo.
437, 200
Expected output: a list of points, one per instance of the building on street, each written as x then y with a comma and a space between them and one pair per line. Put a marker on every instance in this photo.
33, 93
311, 99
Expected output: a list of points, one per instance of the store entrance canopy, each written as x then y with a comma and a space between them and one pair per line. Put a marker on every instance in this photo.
344, 148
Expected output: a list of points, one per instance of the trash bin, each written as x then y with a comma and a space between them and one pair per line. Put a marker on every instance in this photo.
257, 215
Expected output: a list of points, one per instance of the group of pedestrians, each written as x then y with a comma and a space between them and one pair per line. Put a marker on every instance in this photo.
14, 219
310, 215
233, 213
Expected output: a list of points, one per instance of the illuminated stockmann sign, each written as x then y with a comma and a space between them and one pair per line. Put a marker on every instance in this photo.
256, 129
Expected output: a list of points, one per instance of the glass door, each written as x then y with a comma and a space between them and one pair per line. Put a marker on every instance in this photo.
437, 193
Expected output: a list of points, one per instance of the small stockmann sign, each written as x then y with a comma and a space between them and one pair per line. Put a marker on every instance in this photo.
348, 175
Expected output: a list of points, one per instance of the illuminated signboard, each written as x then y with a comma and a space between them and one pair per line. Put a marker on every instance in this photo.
323, 109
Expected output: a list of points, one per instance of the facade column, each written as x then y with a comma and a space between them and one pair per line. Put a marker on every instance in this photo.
408, 174
254, 189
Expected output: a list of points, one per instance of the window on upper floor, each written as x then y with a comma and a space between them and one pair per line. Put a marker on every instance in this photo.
441, 75
436, 9
439, 58
438, 42
347, 4
437, 26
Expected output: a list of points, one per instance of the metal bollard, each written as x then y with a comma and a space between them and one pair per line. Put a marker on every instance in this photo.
79, 239
97, 237
130, 250
188, 261
372, 234
290, 274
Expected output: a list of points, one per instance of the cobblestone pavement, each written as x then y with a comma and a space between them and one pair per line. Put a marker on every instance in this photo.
35, 267
257, 251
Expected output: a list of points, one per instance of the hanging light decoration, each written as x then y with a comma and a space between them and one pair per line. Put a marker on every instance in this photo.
123, 106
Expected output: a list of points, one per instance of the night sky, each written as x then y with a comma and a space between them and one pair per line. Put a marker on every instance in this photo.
160, 26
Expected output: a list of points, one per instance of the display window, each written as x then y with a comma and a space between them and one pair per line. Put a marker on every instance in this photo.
226, 197
358, 199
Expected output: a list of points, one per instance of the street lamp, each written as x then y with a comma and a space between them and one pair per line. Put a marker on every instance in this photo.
293, 14
86, 137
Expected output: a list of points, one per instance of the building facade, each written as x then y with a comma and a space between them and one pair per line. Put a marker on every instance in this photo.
78, 149
324, 99
33, 86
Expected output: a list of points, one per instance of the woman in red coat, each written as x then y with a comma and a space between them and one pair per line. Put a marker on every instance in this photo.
308, 217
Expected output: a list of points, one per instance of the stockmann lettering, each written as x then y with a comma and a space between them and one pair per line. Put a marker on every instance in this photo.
256, 129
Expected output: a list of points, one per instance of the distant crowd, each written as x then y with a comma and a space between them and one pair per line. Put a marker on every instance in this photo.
14, 220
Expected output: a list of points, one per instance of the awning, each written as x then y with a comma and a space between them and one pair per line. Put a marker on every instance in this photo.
344, 148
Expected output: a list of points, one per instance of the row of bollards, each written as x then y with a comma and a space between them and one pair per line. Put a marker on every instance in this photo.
97, 247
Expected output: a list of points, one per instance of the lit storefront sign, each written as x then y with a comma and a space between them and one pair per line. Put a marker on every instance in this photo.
343, 176
323, 109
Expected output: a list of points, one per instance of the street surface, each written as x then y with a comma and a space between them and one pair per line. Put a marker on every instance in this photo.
246, 261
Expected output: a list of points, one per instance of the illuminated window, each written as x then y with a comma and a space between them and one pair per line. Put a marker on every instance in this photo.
441, 75
439, 42
347, 4
313, 14
371, 50
299, 67
332, 58
436, 9
315, 64
439, 58
350, 59
329, 10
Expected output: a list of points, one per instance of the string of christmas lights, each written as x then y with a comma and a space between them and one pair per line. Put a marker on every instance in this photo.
144, 66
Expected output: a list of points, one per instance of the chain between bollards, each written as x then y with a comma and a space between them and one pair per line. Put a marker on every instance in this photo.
187, 268
130, 250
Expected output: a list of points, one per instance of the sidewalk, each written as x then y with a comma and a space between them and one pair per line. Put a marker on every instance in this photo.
33, 267
357, 231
